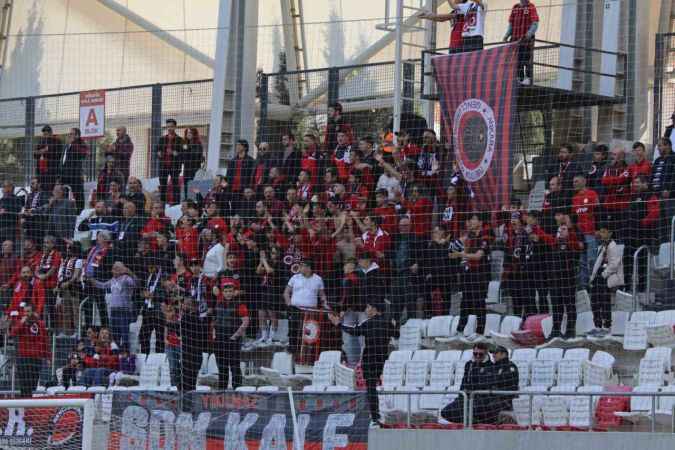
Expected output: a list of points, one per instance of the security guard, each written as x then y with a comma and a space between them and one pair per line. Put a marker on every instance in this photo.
505, 378
478, 376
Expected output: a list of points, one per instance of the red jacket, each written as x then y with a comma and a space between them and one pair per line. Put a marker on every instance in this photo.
48, 262
188, 242
21, 294
32, 339
389, 218
642, 168
420, 215
155, 225
377, 242
653, 212
584, 206
616, 181
106, 359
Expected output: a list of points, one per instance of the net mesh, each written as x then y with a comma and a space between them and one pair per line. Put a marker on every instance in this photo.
332, 252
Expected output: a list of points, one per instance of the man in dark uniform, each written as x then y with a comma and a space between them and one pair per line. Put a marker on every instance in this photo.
504, 378
376, 331
477, 377
169, 153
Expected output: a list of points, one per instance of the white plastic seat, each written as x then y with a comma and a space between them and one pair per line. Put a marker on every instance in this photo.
666, 404
449, 355
543, 373
76, 389
393, 373
554, 412
337, 389
524, 354
662, 353
550, 354
416, 374
268, 389
661, 335
212, 367
598, 371
492, 323
570, 372
420, 324
619, 321
332, 356
639, 403
524, 372
424, 355
96, 389
203, 388
323, 373
663, 258
635, 337
410, 338
603, 359
439, 327
282, 368
580, 412
400, 355
493, 294
313, 388
442, 373
651, 372
203, 369
344, 376
510, 324
245, 389
433, 401
584, 323
579, 354
470, 327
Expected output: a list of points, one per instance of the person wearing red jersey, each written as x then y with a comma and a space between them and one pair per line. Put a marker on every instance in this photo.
102, 363
475, 276
644, 215
169, 150
188, 238
585, 209
616, 181
27, 290
336, 124
342, 156
420, 210
309, 161
457, 21
641, 165
156, 223
47, 273
231, 321
523, 24
33, 350
474, 23
385, 212
375, 239
561, 258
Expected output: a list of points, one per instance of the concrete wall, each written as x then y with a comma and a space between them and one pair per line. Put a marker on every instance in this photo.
510, 440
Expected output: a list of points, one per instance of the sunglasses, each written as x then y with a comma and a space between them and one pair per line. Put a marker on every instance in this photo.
479, 354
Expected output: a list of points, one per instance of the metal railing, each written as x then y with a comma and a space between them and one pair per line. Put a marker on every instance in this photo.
80, 318
468, 406
636, 270
428, 93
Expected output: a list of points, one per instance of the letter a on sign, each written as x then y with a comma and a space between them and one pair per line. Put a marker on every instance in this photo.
92, 114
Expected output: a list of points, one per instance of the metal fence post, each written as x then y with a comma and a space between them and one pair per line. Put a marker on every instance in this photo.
408, 106
29, 134
659, 59
333, 85
155, 127
264, 100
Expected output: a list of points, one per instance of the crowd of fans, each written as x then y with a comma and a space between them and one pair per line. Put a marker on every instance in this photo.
336, 223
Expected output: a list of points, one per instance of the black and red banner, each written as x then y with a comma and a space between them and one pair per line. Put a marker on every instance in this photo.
478, 98
237, 420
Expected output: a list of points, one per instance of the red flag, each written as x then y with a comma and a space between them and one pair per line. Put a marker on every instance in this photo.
478, 98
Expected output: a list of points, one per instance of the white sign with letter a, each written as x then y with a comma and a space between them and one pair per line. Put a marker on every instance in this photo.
92, 114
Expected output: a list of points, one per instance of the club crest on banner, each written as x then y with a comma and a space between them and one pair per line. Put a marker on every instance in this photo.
475, 133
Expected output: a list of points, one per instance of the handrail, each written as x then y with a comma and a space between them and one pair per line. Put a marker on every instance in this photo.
466, 404
635, 275
672, 248
652, 395
551, 44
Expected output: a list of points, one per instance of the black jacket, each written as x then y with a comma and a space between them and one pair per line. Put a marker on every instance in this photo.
477, 376
247, 172
290, 167
413, 256
566, 173
370, 286
71, 160
663, 174
129, 233
377, 332
12, 206
505, 378
192, 157
177, 147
